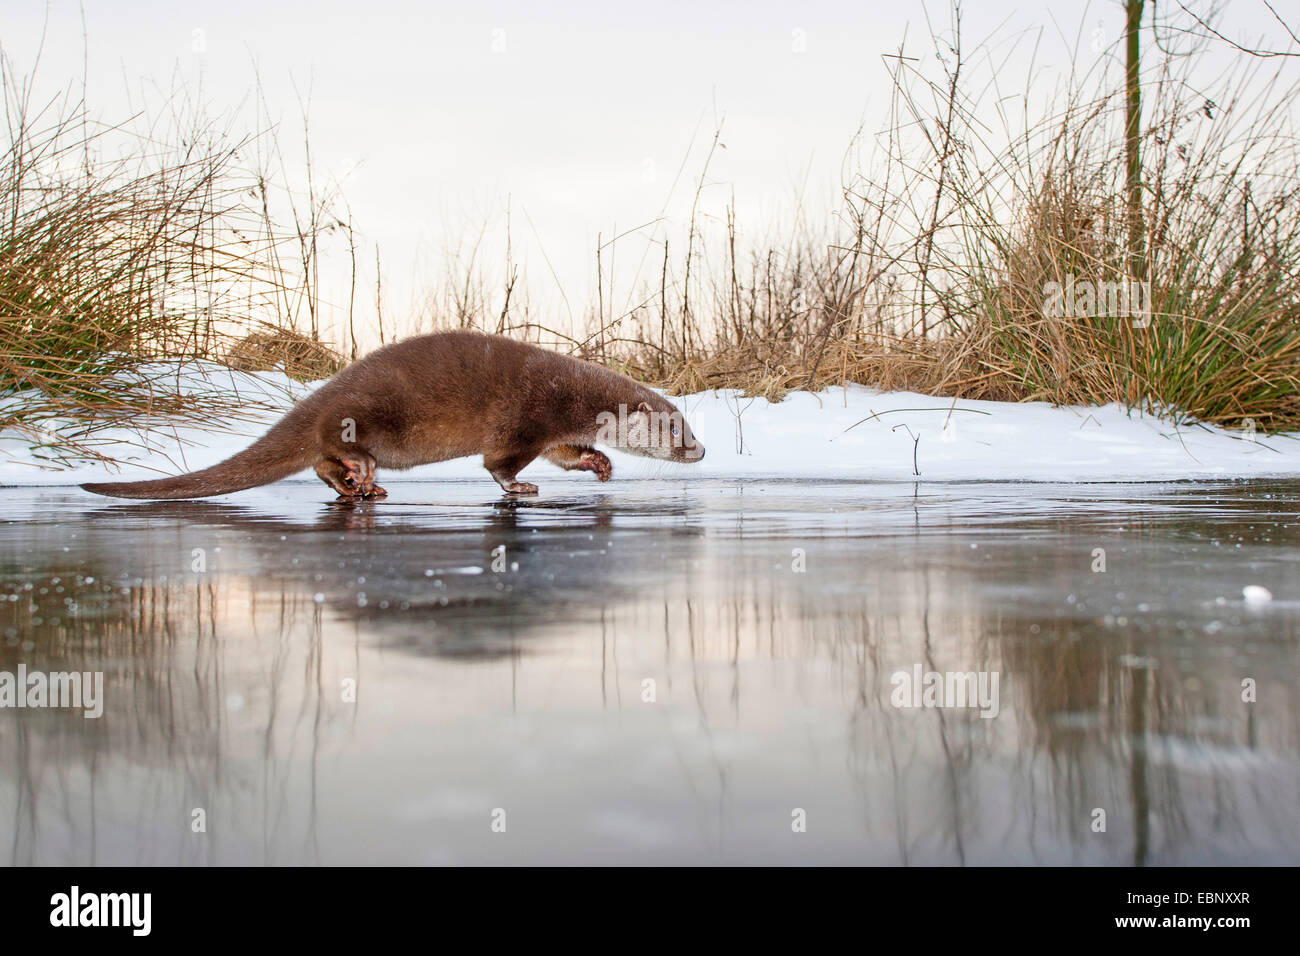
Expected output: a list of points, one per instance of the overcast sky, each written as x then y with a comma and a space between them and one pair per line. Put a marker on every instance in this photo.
433, 113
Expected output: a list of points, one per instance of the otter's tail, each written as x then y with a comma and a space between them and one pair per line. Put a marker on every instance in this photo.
289, 447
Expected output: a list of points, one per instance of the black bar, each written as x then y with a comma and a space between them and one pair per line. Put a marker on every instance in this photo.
977, 906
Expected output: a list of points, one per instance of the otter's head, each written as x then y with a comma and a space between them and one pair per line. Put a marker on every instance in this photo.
653, 428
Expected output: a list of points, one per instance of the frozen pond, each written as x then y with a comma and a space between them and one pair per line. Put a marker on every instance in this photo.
657, 671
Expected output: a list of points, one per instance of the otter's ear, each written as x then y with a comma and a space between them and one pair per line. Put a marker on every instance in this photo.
644, 407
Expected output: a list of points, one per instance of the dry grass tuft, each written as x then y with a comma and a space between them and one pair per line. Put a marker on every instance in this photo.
302, 357
116, 272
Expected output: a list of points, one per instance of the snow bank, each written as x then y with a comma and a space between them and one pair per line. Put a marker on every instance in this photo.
856, 433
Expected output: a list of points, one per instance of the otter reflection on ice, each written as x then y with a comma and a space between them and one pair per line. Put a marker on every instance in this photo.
648, 677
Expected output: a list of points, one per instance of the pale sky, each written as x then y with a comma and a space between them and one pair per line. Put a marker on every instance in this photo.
433, 113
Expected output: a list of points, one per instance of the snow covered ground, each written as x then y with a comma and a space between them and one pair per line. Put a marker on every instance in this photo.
855, 433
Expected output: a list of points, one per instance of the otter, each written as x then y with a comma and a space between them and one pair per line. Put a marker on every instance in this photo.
448, 395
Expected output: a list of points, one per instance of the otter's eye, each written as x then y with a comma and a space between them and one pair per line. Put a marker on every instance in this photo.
675, 432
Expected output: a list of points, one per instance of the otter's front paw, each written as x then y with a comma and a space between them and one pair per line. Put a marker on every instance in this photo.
521, 488
597, 462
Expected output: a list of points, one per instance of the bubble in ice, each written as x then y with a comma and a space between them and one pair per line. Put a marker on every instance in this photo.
1256, 595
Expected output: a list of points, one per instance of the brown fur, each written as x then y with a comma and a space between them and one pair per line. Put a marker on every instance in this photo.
434, 398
